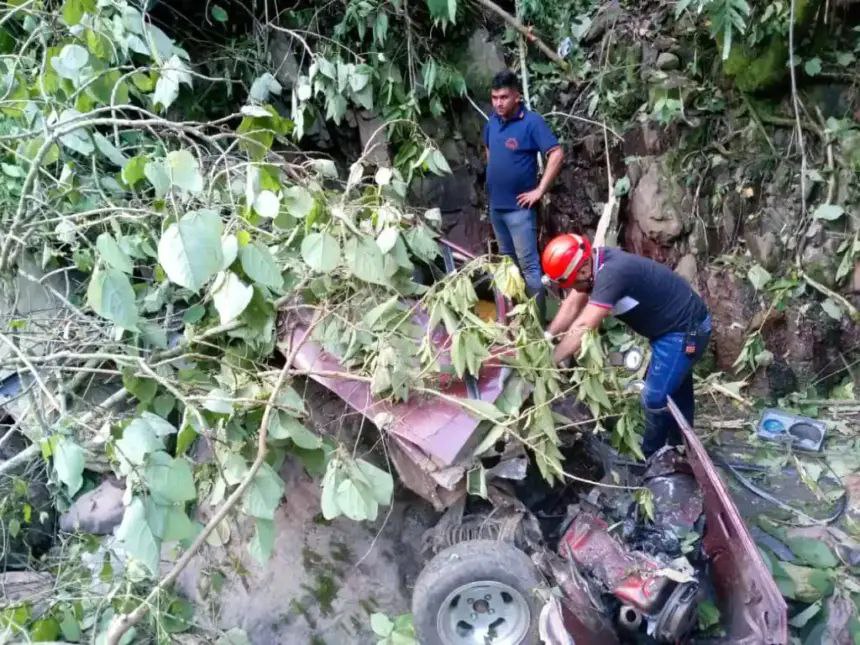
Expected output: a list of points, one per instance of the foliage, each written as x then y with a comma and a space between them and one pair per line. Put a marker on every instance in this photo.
399, 631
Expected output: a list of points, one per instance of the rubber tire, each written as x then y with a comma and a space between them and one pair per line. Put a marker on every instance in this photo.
468, 562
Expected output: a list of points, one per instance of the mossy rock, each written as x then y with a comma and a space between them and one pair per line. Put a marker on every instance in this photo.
765, 66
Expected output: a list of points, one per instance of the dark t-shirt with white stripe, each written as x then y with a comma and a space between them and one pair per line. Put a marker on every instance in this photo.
646, 295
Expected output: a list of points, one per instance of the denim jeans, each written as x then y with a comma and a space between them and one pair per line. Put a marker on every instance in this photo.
516, 233
670, 373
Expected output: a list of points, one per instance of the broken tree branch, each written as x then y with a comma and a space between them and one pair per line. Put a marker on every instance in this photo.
525, 31
122, 623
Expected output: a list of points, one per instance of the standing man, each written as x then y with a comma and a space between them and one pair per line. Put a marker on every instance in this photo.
653, 301
513, 137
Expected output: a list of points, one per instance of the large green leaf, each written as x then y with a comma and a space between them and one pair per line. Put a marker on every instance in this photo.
380, 482
815, 553
284, 426
259, 265
169, 479
190, 250
321, 252
168, 522
263, 496
263, 540
137, 441
112, 254
69, 464
184, 171
137, 538
365, 260
110, 295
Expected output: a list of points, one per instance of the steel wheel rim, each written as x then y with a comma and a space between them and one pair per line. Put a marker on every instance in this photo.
484, 611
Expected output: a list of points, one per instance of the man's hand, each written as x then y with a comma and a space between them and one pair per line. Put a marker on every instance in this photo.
529, 199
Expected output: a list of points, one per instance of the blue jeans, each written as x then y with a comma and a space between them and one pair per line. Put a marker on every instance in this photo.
516, 233
670, 373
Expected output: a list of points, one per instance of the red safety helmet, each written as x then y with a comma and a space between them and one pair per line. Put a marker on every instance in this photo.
563, 257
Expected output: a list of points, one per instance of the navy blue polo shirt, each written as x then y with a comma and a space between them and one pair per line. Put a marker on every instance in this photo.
513, 146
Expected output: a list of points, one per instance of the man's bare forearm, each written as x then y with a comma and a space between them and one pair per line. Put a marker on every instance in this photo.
567, 313
553, 167
570, 344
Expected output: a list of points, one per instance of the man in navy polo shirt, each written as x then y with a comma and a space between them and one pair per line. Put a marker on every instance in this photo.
513, 138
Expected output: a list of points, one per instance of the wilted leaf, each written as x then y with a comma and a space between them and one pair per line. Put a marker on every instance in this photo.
365, 260
298, 200
380, 482
231, 296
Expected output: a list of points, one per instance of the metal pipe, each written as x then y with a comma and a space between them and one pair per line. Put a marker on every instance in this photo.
629, 618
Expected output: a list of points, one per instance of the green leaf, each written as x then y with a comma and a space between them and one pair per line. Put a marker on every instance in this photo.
709, 615
44, 630
263, 496
298, 200
70, 61
422, 243
69, 464
365, 261
381, 483
169, 479
321, 252
218, 401
263, 540
284, 426
381, 624
812, 66
815, 553
230, 296
482, 409
110, 295
832, 309
828, 212
353, 502
758, 276
73, 11
168, 522
218, 14
259, 265
184, 172
137, 538
109, 150
137, 441
190, 250
133, 170
112, 254
291, 400
267, 204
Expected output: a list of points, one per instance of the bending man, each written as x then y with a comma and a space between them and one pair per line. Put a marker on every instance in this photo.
653, 301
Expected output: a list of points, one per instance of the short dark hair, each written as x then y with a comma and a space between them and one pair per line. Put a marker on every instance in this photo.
506, 80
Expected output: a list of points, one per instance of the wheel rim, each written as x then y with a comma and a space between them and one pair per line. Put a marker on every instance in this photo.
483, 612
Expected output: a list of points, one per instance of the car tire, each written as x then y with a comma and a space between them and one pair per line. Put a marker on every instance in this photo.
503, 581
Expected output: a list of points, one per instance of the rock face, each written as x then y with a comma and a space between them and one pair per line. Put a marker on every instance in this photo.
731, 304
482, 61
97, 511
371, 132
658, 212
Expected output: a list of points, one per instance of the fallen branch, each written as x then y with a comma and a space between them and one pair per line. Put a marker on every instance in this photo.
830, 293
122, 623
525, 31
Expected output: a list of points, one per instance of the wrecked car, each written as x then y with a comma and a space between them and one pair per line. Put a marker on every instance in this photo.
525, 562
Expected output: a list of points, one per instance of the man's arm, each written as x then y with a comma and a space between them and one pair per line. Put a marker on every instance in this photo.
553, 167
589, 319
570, 308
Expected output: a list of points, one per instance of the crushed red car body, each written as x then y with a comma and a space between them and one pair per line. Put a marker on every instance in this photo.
431, 449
